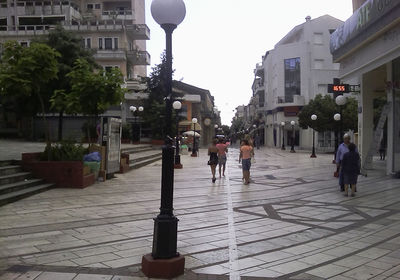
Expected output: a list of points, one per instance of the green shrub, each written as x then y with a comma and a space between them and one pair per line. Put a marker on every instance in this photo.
64, 151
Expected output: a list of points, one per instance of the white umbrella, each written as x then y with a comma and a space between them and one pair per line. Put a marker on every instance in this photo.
190, 133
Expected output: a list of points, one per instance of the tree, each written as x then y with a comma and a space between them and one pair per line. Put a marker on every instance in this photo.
155, 113
237, 125
25, 72
325, 108
70, 48
93, 92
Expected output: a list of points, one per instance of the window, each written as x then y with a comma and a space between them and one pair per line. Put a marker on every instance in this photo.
24, 44
108, 43
292, 78
108, 68
89, 6
87, 43
318, 63
336, 66
322, 89
97, 6
261, 99
318, 38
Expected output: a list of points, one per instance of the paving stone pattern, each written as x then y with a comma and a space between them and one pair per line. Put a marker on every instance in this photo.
290, 222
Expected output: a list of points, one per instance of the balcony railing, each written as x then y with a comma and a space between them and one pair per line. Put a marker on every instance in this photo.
118, 14
139, 31
293, 100
110, 54
137, 57
259, 71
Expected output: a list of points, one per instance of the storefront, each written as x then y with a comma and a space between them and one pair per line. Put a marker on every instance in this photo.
367, 47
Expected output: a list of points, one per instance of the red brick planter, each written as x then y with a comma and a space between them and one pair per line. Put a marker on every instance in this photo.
157, 142
61, 173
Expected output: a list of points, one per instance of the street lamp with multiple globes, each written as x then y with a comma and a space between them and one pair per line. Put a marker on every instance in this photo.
194, 152
134, 111
177, 105
283, 135
313, 155
292, 123
165, 261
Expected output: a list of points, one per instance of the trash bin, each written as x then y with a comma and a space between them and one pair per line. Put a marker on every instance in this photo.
94, 167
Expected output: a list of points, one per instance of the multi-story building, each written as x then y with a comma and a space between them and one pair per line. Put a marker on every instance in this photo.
114, 29
297, 69
367, 46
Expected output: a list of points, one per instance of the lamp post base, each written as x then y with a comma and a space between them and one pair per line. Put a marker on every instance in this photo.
163, 268
178, 164
283, 148
313, 156
194, 154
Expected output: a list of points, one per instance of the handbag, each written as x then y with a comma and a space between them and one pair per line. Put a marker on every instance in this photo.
253, 160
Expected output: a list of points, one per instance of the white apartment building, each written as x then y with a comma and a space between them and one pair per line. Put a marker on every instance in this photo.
297, 69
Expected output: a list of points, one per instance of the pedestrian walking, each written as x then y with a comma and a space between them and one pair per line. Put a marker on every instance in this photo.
257, 141
222, 150
351, 169
246, 152
213, 161
342, 149
382, 149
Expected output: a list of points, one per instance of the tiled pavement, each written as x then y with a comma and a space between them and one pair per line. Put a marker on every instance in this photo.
291, 222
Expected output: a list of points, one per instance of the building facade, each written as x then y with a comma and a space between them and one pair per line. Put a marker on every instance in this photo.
115, 30
297, 69
367, 46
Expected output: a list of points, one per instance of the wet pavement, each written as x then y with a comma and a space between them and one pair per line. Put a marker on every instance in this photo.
290, 222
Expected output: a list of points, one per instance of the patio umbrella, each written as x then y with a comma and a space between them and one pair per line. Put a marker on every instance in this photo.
190, 133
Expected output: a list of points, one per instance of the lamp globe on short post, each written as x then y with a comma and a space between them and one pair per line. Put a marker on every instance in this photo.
337, 117
194, 151
216, 130
165, 261
283, 135
292, 123
177, 105
313, 155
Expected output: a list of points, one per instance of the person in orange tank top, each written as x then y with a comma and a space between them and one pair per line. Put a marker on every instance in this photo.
246, 152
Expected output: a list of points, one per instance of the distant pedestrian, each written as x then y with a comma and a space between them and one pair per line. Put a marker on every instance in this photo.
350, 169
222, 150
213, 161
257, 141
382, 149
246, 152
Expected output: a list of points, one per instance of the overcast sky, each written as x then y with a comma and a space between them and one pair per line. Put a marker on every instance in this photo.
219, 43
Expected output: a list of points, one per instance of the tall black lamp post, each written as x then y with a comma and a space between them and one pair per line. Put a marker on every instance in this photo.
165, 261
292, 123
283, 135
313, 155
194, 151
177, 105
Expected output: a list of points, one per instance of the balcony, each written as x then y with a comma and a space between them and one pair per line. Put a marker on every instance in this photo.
259, 71
118, 15
296, 100
40, 9
139, 31
138, 57
25, 30
259, 89
110, 54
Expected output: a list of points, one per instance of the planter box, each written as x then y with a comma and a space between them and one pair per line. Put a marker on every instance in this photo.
61, 173
157, 142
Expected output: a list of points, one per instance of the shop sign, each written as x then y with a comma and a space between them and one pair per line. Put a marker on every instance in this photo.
370, 12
